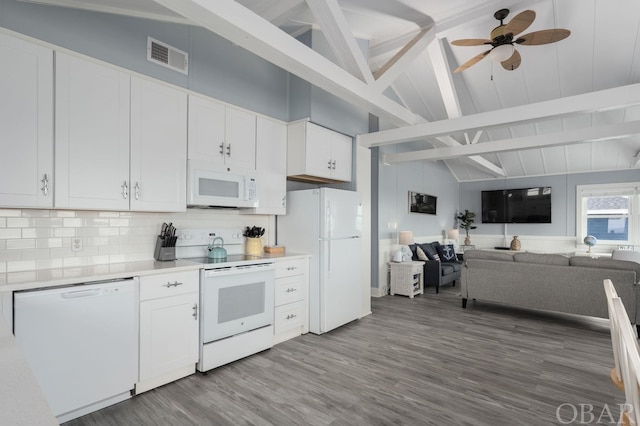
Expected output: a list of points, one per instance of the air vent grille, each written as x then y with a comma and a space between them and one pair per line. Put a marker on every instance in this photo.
159, 52
167, 56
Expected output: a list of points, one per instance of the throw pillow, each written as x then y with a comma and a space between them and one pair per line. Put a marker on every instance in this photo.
446, 252
429, 250
421, 255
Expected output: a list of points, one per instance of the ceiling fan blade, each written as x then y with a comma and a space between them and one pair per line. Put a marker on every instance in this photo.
543, 37
472, 61
520, 22
513, 62
471, 42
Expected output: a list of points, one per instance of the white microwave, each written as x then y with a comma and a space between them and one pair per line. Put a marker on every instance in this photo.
216, 186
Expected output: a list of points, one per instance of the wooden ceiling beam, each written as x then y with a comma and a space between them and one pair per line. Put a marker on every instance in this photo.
241, 26
398, 64
617, 97
570, 137
340, 38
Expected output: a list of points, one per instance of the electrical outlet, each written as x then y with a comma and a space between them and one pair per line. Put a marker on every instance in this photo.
76, 244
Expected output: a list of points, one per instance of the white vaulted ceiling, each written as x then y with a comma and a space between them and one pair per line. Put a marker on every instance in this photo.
571, 106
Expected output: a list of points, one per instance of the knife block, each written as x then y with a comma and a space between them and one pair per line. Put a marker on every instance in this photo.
163, 253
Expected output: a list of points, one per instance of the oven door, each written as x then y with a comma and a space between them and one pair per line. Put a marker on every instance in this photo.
236, 300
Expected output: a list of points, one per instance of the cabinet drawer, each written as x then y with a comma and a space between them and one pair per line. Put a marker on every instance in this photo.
287, 317
289, 289
166, 285
287, 268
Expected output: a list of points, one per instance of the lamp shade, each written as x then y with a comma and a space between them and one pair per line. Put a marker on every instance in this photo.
501, 53
453, 234
405, 238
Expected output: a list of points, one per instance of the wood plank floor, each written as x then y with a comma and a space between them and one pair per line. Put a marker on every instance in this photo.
424, 361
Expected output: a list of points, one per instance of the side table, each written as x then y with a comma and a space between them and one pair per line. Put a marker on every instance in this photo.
406, 278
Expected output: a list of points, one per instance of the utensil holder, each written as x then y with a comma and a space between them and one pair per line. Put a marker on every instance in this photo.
164, 253
254, 247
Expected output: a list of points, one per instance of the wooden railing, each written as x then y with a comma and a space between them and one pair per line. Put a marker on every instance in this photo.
626, 372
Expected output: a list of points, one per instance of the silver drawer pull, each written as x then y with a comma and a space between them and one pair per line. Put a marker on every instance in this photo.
291, 268
195, 311
291, 316
169, 285
291, 290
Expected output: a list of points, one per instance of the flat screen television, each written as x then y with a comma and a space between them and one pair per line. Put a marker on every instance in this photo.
524, 205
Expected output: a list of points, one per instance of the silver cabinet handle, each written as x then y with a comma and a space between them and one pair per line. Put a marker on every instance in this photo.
228, 150
221, 148
284, 201
329, 165
125, 190
291, 316
291, 290
195, 311
333, 164
137, 191
45, 185
169, 285
291, 268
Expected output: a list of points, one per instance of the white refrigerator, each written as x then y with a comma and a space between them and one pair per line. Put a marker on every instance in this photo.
327, 224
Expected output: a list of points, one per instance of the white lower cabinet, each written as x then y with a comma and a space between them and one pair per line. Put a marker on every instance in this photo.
169, 309
291, 298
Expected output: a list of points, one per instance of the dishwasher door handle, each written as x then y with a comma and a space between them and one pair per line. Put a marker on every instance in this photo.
80, 293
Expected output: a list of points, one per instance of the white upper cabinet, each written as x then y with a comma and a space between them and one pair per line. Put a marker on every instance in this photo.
341, 153
221, 135
158, 146
26, 120
121, 141
92, 135
271, 165
317, 154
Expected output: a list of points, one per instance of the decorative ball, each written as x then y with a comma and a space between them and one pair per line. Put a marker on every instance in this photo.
590, 240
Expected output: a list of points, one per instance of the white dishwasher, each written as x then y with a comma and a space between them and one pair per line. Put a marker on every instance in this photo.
81, 342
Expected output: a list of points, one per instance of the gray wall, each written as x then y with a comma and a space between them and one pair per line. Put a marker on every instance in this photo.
394, 184
563, 200
217, 68
323, 108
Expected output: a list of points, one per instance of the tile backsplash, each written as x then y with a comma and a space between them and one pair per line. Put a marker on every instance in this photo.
33, 239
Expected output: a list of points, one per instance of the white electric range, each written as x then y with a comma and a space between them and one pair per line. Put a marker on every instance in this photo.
236, 297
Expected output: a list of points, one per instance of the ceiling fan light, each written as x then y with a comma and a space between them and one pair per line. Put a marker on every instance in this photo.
501, 53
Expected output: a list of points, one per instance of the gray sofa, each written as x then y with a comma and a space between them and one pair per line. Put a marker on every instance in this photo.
549, 281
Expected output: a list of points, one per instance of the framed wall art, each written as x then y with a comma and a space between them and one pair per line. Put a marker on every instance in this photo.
422, 203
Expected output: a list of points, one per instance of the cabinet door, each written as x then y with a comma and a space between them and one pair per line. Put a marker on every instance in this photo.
240, 139
168, 334
341, 154
26, 120
318, 151
158, 147
92, 135
271, 165
206, 130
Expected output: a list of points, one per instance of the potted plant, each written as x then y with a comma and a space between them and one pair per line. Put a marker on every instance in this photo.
466, 222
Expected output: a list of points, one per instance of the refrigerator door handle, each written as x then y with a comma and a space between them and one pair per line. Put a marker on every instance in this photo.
327, 220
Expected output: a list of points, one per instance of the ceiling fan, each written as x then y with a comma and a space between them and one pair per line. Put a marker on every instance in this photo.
503, 38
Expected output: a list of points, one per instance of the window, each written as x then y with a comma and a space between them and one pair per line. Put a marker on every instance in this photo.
609, 212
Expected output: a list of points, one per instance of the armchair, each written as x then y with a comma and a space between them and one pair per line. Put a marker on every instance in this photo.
437, 272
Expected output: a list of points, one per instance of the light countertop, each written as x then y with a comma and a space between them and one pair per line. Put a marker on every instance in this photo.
13, 281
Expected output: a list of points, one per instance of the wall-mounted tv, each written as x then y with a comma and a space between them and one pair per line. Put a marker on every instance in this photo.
524, 205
